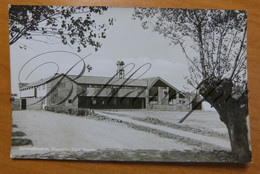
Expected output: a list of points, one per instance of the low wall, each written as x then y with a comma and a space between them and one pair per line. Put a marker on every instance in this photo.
177, 107
71, 111
16, 104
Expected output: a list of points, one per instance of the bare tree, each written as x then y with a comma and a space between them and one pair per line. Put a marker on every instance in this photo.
73, 25
214, 43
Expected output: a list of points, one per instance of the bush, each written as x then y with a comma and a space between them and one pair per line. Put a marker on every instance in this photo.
71, 111
81, 112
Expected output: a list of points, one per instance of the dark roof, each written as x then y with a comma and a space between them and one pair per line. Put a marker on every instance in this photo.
145, 82
150, 80
39, 82
104, 80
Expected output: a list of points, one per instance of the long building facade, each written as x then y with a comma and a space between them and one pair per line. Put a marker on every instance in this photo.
104, 93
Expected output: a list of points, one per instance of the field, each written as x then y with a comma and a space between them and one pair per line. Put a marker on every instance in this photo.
131, 135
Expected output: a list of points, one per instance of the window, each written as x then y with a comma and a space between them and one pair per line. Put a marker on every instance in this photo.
125, 100
96, 86
115, 101
94, 101
69, 101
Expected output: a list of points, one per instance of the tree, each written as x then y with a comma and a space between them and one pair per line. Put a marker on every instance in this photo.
66, 23
214, 43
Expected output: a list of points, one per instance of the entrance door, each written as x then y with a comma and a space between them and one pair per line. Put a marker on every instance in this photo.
23, 104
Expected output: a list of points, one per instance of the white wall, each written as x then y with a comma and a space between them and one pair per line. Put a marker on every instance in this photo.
41, 90
28, 93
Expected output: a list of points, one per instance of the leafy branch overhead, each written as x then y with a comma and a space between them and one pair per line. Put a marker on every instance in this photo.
213, 41
73, 25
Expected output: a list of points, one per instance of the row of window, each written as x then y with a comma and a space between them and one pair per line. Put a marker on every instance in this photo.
171, 103
34, 87
100, 101
113, 86
62, 85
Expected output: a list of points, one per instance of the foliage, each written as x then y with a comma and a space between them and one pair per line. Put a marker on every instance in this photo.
213, 41
73, 25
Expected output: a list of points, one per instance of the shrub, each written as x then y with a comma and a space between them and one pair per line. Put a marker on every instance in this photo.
71, 111
81, 112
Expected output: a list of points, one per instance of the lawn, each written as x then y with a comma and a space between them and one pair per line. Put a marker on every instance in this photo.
128, 132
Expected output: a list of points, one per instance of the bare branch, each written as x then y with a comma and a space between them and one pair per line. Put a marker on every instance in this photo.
238, 55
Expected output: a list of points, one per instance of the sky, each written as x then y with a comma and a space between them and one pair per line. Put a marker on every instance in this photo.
126, 40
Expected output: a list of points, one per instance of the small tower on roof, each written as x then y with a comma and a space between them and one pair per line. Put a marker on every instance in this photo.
120, 69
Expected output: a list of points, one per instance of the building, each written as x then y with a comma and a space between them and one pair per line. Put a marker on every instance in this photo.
94, 92
103, 93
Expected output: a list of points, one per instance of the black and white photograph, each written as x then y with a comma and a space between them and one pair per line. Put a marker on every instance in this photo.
129, 84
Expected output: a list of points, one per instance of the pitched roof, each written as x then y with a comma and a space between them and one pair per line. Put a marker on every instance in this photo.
96, 80
150, 80
107, 80
39, 82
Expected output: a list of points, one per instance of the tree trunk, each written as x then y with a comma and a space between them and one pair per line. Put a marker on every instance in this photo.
238, 134
233, 111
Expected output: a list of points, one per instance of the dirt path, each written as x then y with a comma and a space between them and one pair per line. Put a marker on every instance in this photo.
51, 131
187, 136
194, 130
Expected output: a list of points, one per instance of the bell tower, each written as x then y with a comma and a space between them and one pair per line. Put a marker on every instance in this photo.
120, 69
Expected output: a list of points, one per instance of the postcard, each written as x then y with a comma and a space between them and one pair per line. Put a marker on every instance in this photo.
129, 84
